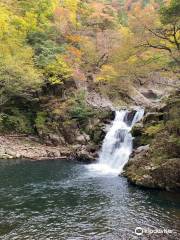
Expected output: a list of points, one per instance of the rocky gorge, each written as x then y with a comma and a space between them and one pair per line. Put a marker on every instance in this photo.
72, 125
154, 162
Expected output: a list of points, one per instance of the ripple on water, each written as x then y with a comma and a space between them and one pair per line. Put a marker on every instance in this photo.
61, 200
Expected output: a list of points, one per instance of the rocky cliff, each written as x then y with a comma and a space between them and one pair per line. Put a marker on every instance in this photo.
155, 162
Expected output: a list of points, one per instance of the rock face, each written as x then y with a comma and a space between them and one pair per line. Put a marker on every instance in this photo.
155, 162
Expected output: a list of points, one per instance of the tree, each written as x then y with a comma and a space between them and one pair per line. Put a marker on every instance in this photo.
65, 16
58, 71
160, 30
18, 75
170, 18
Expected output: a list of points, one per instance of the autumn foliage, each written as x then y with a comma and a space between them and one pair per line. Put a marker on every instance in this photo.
49, 41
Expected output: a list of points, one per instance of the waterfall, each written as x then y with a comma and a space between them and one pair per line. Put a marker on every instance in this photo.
118, 143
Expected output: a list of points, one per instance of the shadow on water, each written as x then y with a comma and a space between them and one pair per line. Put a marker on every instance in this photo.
64, 200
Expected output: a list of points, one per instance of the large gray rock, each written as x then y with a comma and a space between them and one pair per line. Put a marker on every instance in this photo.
142, 149
84, 154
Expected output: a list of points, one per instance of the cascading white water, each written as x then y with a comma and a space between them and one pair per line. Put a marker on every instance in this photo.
118, 143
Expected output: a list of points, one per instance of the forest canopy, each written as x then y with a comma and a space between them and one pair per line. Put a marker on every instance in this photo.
46, 42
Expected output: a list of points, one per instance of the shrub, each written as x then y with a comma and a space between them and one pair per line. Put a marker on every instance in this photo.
40, 121
16, 122
152, 130
58, 71
80, 111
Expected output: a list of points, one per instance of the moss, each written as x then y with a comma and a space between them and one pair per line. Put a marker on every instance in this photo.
174, 140
145, 140
73, 110
153, 130
159, 166
140, 171
105, 115
137, 130
81, 114
73, 116
152, 118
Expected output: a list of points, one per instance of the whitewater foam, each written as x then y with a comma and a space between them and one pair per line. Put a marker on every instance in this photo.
118, 143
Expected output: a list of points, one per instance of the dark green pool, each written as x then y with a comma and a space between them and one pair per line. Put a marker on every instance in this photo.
64, 200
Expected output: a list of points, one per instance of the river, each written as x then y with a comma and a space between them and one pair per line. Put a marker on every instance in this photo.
65, 201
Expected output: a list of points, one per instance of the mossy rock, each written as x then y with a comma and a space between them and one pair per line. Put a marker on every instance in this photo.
159, 167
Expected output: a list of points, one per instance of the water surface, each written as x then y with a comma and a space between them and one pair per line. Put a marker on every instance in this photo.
66, 201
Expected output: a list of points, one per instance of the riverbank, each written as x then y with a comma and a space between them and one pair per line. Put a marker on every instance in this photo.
31, 148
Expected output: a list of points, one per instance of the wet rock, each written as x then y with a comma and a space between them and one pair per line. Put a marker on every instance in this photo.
137, 130
83, 154
129, 117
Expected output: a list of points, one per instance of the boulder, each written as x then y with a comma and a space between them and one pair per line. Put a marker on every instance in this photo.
83, 138
56, 139
142, 170
84, 154
142, 149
